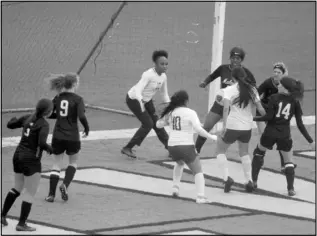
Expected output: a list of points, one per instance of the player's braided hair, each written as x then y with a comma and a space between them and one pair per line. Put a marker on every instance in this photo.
295, 87
178, 99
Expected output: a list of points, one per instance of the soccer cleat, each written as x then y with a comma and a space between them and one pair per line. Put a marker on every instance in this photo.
50, 198
249, 187
228, 184
64, 193
202, 200
291, 192
24, 227
175, 191
4, 221
128, 152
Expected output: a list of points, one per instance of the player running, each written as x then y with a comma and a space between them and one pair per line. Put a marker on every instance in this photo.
266, 89
281, 108
183, 122
139, 101
242, 99
68, 108
27, 161
237, 56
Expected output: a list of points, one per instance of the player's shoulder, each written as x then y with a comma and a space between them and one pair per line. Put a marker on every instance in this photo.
185, 111
149, 72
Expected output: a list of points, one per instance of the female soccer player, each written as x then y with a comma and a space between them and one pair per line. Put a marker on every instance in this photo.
183, 121
237, 56
139, 101
266, 89
242, 99
281, 108
68, 108
27, 160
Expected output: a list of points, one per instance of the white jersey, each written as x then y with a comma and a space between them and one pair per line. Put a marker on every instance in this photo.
182, 122
239, 118
148, 85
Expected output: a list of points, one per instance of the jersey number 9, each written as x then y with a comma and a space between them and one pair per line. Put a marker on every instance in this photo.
64, 108
176, 123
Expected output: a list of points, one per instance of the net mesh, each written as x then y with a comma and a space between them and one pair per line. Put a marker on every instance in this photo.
39, 38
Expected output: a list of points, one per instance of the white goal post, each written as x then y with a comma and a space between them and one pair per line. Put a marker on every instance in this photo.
216, 54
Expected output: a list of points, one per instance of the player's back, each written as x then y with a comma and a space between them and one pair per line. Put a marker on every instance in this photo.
29, 142
283, 110
181, 125
67, 107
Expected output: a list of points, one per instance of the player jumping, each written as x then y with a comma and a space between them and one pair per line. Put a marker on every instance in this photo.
281, 108
237, 56
183, 121
68, 108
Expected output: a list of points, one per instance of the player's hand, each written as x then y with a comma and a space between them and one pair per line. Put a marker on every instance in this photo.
312, 145
85, 134
142, 106
202, 85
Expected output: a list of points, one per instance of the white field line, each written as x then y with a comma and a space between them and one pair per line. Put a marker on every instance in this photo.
125, 133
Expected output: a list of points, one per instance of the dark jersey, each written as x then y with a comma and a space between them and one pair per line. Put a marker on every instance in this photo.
281, 109
34, 135
68, 108
266, 89
224, 72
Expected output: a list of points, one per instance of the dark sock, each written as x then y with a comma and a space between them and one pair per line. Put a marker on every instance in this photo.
8, 202
290, 176
69, 175
54, 178
129, 145
25, 211
200, 141
257, 163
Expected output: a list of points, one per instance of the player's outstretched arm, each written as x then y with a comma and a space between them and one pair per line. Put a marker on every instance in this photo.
211, 77
15, 123
269, 115
299, 122
199, 129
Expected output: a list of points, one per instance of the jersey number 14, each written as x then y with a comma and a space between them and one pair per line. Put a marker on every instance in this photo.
285, 111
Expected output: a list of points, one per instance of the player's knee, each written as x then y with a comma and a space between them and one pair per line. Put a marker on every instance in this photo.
73, 165
56, 167
16, 192
28, 197
289, 169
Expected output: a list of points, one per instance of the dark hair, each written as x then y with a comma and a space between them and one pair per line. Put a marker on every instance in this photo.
246, 90
237, 51
177, 100
294, 87
43, 108
159, 53
60, 81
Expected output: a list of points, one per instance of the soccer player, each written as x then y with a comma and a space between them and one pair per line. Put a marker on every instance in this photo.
266, 89
183, 121
241, 98
281, 108
68, 108
237, 56
139, 101
27, 161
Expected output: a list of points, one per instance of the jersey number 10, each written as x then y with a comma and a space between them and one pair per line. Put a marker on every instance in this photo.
176, 123
285, 111
64, 108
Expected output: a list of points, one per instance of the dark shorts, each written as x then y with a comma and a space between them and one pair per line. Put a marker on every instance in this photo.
230, 136
24, 163
70, 147
186, 153
282, 139
217, 108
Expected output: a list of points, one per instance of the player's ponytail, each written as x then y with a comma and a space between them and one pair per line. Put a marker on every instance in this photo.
294, 87
178, 99
43, 108
56, 82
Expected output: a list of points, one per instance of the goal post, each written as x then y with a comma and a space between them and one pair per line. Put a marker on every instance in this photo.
216, 54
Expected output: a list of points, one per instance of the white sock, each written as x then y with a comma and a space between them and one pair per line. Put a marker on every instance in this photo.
246, 164
223, 163
200, 184
177, 174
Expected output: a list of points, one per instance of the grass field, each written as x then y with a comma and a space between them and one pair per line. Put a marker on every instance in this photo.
115, 195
